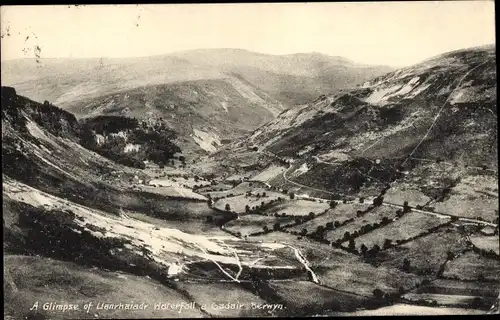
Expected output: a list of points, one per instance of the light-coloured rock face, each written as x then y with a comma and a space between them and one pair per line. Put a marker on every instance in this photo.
208, 141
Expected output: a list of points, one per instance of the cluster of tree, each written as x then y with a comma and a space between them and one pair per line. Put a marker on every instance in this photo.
11, 112
283, 162
55, 120
105, 124
370, 254
298, 220
258, 195
49, 117
155, 139
260, 209
320, 231
224, 197
378, 201
386, 298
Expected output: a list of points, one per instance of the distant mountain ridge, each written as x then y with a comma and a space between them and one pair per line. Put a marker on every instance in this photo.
205, 95
64, 81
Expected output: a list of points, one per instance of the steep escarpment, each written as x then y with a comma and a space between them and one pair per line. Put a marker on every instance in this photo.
389, 116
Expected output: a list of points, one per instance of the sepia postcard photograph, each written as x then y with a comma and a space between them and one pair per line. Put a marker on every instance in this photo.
234, 160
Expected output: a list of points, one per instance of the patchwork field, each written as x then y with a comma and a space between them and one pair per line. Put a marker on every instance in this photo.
486, 243
341, 213
410, 225
472, 266
253, 223
374, 216
474, 196
298, 208
239, 202
318, 254
343, 271
426, 254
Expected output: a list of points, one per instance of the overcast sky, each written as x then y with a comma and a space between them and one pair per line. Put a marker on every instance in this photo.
387, 33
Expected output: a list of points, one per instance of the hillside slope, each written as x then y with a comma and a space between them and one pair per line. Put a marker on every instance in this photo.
429, 130
202, 112
395, 110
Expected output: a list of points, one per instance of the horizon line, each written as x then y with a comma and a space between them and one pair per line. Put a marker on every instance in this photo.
241, 49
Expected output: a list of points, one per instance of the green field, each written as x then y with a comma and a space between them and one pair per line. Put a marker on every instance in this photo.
362, 278
472, 266
410, 310
444, 299
269, 173
214, 188
486, 243
426, 254
238, 203
341, 213
199, 227
298, 207
174, 192
374, 216
253, 223
474, 196
455, 287
241, 188
401, 192
410, 225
